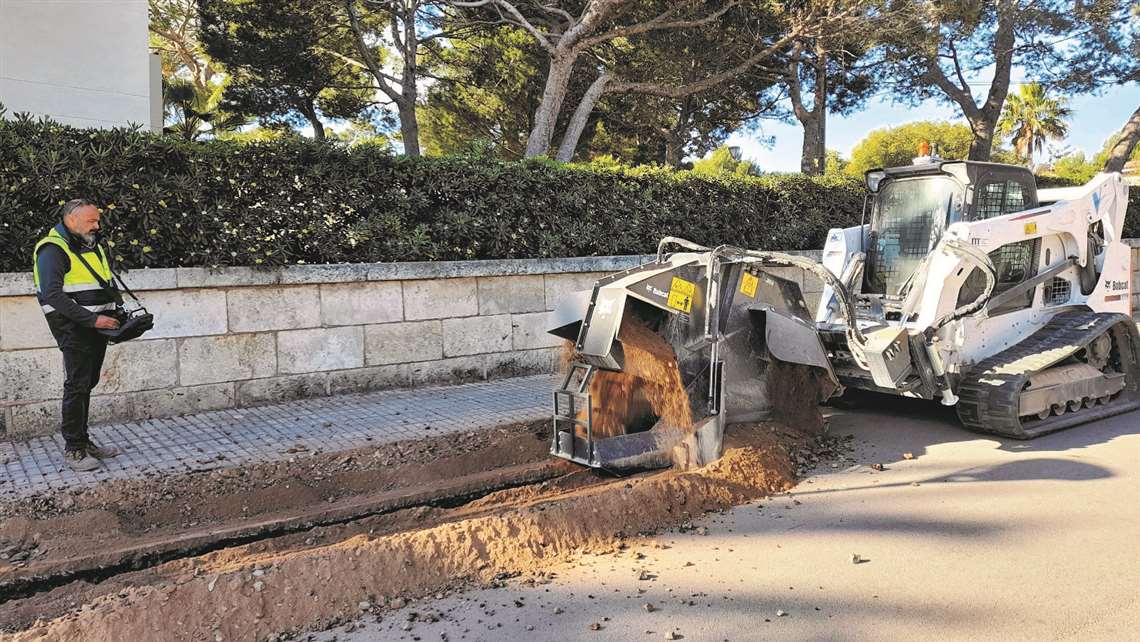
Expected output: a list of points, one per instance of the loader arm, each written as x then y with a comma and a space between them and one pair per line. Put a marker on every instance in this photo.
1080, 241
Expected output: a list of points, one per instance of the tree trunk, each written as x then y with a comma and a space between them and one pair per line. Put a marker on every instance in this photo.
677, 135
310, 113
811, 159
581, 115
409, 125
545, 117
985, 121
815, 147
409, 128
674, 150
982, 145
1122, 150
814, 121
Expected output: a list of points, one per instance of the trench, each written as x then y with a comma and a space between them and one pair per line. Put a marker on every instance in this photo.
458, 495
255, 586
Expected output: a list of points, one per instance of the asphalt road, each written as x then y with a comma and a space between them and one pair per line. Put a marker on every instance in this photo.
973, 539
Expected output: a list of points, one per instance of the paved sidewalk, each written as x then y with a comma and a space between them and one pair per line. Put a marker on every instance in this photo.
234, 437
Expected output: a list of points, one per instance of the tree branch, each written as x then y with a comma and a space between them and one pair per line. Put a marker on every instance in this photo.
657, 23
1003, 60
578, 121
370, 62
518, 18
958, 67
794, 87
654, 89
934, 75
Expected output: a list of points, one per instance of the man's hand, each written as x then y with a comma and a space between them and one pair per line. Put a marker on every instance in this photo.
104, 322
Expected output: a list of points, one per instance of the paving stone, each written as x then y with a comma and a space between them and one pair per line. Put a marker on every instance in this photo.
244, 435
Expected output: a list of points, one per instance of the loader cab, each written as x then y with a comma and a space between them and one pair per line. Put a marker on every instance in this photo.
910, 208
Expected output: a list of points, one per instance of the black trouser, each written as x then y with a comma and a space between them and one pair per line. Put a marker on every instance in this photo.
82, 365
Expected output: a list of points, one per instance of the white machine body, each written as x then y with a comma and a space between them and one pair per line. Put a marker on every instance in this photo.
1059, 226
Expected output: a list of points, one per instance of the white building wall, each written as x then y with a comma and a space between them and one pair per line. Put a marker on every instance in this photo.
81, 62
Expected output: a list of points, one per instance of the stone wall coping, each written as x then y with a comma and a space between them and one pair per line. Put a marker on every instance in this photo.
142, 280
20, 283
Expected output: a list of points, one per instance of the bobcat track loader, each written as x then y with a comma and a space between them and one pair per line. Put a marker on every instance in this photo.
965, 284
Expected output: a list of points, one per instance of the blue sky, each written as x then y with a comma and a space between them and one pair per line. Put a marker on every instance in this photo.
1095, 118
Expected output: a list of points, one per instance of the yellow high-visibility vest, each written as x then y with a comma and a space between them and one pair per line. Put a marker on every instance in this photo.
79, 283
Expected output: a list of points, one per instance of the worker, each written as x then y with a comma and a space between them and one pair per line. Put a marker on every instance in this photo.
77, 301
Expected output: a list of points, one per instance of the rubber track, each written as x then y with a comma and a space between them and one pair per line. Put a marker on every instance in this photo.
990, 398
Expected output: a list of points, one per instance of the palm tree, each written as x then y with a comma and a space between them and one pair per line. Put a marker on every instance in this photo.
1030, 118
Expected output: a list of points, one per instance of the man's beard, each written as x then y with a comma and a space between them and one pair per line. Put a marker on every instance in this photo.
89, 239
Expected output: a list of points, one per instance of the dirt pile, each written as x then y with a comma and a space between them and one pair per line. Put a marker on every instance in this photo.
241, 594
647, 389
796, 392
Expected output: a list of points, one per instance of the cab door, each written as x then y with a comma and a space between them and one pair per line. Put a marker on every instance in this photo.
998, 194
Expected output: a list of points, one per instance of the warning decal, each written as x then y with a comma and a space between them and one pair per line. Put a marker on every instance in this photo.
681, 295
748, 284
1030, 228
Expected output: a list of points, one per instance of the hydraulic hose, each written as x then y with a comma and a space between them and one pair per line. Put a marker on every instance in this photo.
855, 339
847, 308
982, 261
676, 240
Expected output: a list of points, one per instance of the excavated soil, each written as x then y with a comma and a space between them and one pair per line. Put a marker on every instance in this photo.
795, 391
313, 579
648, 386
646, 390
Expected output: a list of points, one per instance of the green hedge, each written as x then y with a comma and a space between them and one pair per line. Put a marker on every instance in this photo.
169, 203
212, 204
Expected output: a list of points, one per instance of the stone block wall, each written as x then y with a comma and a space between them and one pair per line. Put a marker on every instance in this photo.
238, 337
